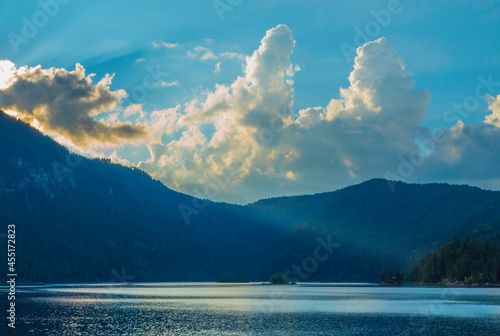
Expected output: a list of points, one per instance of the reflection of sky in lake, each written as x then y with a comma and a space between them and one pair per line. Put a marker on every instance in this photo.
215, 309
459, 302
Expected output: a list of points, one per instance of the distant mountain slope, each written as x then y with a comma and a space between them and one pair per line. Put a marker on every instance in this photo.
80, 219
386, 227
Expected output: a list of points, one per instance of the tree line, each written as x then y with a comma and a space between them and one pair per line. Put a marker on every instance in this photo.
467, 262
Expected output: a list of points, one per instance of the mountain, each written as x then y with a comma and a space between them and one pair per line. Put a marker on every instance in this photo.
80, 219
380, 223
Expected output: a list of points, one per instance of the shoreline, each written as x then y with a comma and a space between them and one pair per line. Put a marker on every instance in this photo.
223, 284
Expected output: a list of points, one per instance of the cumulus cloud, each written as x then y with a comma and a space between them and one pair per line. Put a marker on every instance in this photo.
66, 103
376, 118
244, 141
236, 115
164, 122
466, 153
494, 106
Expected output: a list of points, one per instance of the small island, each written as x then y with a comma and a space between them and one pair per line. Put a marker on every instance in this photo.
279, 279
391, 278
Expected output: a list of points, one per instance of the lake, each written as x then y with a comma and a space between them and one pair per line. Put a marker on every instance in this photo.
252, 309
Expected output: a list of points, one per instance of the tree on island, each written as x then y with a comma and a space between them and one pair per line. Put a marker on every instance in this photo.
279, 279
392, 279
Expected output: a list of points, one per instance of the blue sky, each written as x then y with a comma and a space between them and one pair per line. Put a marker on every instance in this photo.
446, 46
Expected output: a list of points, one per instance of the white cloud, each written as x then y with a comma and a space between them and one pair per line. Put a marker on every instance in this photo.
169, 45
173, 83
164, 122
260, 98
494, 106
202, 53
133, 110
205, 54
232, 55
165, 44
7, 72
11, 113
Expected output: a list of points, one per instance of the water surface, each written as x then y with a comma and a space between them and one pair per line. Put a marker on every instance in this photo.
216, 309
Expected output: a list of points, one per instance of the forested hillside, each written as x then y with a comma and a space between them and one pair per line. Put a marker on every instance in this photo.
378, 226
467, 262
